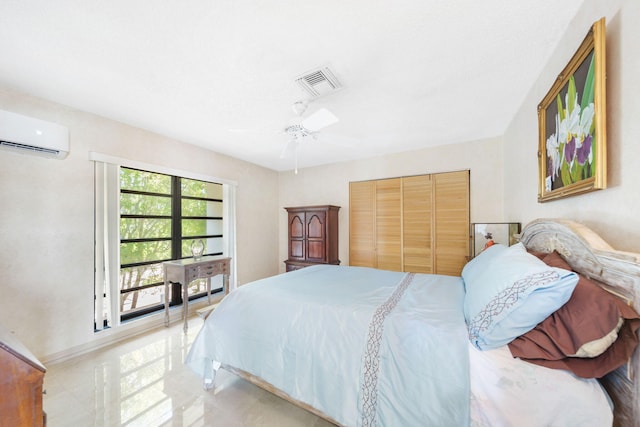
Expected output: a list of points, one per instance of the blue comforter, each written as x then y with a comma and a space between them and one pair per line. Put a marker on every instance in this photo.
364, 346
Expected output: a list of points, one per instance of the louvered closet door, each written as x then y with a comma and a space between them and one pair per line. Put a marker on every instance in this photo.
362, 196
388, 221
451, 220
416, 224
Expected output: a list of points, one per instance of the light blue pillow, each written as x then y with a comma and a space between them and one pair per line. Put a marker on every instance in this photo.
480, 261
508, 292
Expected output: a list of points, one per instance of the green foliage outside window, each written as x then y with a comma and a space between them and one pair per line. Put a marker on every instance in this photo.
147, 235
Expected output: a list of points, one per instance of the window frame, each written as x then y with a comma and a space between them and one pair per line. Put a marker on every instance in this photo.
176, 240
107, 232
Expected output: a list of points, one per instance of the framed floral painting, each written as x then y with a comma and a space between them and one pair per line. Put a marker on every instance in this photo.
571, 121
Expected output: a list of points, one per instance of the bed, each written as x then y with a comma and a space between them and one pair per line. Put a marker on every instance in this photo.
360, 346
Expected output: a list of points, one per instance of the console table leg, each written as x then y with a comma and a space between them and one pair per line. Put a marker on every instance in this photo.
166, 301
185, 306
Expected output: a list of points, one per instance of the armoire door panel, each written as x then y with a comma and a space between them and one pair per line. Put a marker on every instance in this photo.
315, 225
296, 249
315, 251
315, 236
296, 236
388, 224
296, 226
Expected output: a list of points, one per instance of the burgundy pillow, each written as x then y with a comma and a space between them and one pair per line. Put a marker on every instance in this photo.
590, 314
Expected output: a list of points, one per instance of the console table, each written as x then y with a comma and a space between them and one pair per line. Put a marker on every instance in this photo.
184, 271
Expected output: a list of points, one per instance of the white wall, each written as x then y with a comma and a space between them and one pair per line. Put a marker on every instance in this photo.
330, 184
613, 212
46, 222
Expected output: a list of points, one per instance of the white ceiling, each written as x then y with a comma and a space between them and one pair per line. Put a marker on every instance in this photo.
220, 73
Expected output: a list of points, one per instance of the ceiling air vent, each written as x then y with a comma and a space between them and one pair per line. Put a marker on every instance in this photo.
319, 82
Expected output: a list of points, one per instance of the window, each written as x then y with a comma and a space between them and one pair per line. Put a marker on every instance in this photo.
147, 214
160, 218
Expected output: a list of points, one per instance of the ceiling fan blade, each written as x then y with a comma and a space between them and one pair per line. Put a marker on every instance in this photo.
240, 131
289, 148
318, 120
338, 140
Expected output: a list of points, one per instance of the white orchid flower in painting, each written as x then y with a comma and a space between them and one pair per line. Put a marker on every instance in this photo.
553, 154
573, 114
583, 148
572, 123
586, 119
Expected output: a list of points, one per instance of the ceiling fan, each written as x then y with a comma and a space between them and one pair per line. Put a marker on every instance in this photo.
301, 129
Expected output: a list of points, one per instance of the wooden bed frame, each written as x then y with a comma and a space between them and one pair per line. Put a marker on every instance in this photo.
616, 271
588, 254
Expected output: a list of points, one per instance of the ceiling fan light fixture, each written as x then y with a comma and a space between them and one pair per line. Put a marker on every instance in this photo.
299, 107
297, 131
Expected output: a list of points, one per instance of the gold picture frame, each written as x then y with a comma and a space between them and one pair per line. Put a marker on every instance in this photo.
572, 124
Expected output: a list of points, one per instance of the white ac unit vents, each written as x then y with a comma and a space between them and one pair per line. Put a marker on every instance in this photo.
319, 82
27, 135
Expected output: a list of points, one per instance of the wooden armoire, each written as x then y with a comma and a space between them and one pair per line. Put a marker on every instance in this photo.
313, 236
417, 224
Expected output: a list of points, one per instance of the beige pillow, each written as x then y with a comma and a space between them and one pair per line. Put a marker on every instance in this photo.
597, 347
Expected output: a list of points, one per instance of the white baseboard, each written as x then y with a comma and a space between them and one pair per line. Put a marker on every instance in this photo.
125, 331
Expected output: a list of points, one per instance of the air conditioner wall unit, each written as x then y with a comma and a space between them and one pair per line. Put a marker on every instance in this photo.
27, 135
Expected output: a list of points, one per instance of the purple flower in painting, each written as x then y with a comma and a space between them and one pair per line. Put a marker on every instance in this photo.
584, 150
570, 150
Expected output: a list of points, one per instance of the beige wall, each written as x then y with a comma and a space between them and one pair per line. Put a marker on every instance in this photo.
330, 184
614, 212
46, 222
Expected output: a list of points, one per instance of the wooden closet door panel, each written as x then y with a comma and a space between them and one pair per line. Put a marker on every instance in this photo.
451, 214
389, 224
362, 223
416, 224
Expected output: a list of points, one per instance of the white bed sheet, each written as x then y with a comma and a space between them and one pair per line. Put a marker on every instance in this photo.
507, 392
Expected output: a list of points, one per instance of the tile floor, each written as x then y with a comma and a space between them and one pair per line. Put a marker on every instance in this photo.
144, 382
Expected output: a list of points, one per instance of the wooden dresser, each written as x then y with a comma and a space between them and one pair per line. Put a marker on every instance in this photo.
21, 379
313, 236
